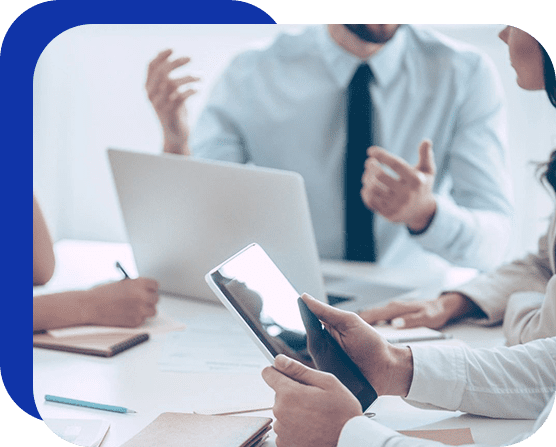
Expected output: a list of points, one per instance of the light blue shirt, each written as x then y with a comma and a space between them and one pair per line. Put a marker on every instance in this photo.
285, 107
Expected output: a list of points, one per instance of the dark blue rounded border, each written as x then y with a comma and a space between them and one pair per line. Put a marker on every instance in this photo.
21, 48
24, 42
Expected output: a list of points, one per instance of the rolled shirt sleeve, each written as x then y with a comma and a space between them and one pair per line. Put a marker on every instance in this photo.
466, 237
363, 432
472, 225
508, 382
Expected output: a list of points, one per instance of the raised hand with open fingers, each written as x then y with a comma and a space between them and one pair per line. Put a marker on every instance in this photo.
406, 199
168, 100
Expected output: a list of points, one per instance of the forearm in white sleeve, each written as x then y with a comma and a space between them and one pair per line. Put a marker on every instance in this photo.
363, 432
517, 382
507, 382
467, 237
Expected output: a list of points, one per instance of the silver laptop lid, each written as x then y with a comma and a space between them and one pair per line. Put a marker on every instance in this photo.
183, 216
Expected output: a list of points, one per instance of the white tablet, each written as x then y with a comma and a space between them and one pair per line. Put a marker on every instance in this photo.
256, 292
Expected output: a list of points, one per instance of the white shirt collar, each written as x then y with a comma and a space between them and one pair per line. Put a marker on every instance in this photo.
385, 64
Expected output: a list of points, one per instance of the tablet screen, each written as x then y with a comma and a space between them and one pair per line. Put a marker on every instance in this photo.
270, 306
266, 301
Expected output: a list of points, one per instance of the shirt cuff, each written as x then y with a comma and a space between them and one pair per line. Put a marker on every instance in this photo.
361, 431
445, 225
439, 375
480, 293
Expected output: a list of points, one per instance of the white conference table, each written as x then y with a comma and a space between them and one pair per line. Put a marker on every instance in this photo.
133, 379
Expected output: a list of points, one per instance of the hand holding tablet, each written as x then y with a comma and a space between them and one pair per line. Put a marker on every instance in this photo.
328, 356
253, 288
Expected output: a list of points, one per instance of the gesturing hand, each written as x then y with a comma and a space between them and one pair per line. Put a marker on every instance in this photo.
310, 407
407, 199
169, 101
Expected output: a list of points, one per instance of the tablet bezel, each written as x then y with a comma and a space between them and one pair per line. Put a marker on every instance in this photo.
261, 338
257, 336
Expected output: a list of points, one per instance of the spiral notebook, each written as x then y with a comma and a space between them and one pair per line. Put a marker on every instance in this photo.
102, 345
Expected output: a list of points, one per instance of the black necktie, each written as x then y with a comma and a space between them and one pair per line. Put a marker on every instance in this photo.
359, 238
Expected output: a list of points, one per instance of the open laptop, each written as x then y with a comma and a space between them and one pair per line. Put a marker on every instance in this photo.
184, 216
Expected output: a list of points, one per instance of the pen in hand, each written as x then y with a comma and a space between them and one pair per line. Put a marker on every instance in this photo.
119, 267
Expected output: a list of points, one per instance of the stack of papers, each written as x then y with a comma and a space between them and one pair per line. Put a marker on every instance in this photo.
219, 345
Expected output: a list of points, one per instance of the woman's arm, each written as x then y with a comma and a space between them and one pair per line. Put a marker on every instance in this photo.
492, 292
124, 303
60, 310
530, 315
43, 253
486, 299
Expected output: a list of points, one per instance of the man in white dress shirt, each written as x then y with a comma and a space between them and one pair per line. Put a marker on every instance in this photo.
285, 107
314, 409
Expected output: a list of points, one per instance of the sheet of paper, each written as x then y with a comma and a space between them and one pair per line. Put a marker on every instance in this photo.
155, 325
450, 436
218, 344
394, 335
82, 432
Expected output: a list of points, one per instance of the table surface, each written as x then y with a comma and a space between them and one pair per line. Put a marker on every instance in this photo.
133, 379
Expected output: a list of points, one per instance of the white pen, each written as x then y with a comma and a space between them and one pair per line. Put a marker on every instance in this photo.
423, 338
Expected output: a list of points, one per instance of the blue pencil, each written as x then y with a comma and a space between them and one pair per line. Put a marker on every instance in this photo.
82, 403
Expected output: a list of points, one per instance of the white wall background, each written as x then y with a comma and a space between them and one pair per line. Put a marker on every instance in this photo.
89, 95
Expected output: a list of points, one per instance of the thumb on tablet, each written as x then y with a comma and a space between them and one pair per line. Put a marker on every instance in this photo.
301, 373
329, 315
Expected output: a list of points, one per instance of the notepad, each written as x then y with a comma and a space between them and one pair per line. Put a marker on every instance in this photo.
103, 345
198, 430
158, 324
